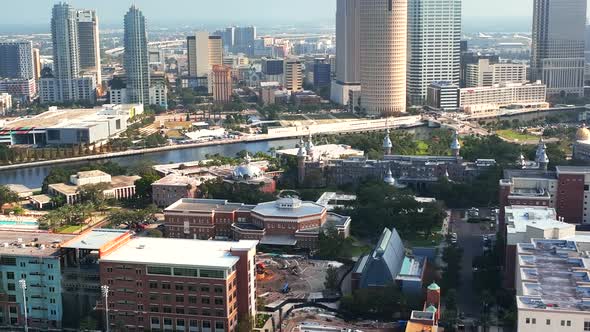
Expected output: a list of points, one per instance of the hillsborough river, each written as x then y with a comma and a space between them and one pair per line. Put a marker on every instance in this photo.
32, 177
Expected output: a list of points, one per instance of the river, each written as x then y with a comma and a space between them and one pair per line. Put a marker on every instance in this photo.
33, 177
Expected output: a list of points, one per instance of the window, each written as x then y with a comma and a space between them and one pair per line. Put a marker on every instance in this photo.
10, 286
528, 320
168, 321
154, 309
192, 299
218, 301
205, 300
206, 324
586, 325
181, 272
155, 321
165, 286
192, 288
205, 289
159, 270
11, 298
180, 323
193, 323
10, 275
153, 297
153, 285
569, 323
167, 310
534, 321
218, 290
12, 310
8, 261
219, 325
215, 274
179, 298
180, 310
179, 287
548, 321
193, 311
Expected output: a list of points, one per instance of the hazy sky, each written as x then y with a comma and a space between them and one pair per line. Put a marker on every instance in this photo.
228, 11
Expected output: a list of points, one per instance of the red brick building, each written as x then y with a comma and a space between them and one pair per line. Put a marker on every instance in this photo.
286, 222
566, 189
180, 285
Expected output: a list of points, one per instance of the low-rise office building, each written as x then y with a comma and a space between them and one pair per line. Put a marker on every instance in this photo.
553, 286
173, 187
152, 287
285, 222
35, 258
117, 187
70, 126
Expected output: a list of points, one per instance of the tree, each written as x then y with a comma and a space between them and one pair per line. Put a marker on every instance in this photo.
143, 186
332, 281
94, 193
7, 195
382, 303
245, 324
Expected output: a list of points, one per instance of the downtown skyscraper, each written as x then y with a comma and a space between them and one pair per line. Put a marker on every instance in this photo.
383, 54
16, 60
434, 45
89, 42
558, 45
348, 78
136, 57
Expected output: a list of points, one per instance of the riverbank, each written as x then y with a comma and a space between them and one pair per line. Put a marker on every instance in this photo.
369, 125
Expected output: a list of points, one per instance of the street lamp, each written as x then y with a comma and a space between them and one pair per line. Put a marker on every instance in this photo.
23, 286
105, 294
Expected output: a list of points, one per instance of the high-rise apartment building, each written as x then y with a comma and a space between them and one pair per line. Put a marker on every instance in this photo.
293, 74
347, 51
16, 60
434, 45
484, 73
136, 57
221, 83
558, 45
89, 43
66, 56
322, 73
383, 55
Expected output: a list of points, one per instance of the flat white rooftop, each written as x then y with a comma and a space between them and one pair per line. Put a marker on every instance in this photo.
95, 239
159, 251
518, 218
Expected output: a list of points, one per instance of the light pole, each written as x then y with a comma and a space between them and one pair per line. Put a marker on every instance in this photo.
23, 286
105, 294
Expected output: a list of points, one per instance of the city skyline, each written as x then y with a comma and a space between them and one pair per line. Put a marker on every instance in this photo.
111, 11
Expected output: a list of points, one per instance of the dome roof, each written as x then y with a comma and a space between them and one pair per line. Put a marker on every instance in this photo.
389, 179
583, 134
455, 144
433, 287
246, 171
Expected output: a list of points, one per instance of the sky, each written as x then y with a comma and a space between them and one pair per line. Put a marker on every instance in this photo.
228, 11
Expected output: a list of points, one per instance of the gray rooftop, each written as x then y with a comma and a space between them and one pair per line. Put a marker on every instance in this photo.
289, 208
95, 239
37, 244
555, 276
206, 205
573, 169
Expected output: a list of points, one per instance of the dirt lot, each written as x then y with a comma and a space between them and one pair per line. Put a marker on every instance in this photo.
302, 275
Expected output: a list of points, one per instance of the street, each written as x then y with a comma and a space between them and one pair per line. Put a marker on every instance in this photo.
470, 239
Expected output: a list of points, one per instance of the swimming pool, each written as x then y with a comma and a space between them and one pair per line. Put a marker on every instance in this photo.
18, 224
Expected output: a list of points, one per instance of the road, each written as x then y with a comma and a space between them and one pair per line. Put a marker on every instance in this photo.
470, 239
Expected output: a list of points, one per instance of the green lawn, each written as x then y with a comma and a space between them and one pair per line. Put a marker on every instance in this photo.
69, 229
514, 135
